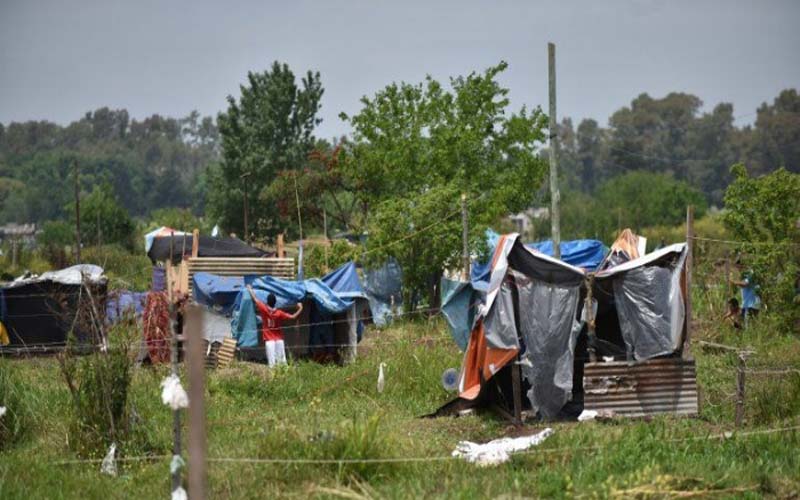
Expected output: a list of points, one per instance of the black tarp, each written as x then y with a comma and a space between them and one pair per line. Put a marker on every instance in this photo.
208, 247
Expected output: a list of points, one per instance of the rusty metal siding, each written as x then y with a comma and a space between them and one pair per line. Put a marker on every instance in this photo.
282, 268
642, 388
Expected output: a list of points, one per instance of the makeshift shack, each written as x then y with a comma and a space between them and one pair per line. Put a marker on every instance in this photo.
460, 299
164, 243
530, 334
331, 320
40, 311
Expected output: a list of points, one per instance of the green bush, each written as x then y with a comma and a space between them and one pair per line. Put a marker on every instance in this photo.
99, 386
339, 252
124, 269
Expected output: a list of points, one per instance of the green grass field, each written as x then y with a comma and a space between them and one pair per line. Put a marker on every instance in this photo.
310, 411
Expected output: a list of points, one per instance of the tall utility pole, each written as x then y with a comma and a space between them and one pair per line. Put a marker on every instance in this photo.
77, 212
555, 219
244, 176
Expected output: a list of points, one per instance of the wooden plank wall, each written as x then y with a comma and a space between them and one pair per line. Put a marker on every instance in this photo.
227, 266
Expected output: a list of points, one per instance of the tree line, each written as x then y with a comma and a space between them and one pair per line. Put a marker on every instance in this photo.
413, 150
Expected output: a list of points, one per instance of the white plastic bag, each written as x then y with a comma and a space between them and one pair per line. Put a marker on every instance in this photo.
173, 394
381, 378
109, 465
179, 494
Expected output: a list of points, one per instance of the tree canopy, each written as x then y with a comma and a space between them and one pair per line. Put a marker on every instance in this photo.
417, 147
267, 130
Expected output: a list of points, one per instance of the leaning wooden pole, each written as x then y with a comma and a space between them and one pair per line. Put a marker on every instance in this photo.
555, 196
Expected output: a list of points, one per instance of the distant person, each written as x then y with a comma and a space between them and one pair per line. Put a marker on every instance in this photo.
271, 322
732, 315
751, 301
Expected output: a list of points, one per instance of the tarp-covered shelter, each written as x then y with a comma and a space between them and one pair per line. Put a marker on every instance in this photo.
460, 299
331, 319
383, 287
531, 316
40, 311
180, 245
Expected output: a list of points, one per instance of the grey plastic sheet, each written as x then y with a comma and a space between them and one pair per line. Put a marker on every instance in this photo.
650, 309
383, 287
550, 331
500, 326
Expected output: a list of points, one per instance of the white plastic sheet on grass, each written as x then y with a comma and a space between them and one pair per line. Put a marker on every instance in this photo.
499, 450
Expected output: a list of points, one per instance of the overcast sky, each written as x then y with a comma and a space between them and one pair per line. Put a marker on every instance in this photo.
60, 59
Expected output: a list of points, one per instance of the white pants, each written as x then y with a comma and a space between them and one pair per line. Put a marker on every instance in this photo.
276, 353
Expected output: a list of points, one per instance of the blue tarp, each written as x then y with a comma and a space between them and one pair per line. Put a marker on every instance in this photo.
217, 292
344, 281
122, 302
333, 294
586, 254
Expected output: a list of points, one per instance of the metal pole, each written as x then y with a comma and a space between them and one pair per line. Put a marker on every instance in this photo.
77, 213
197, 412
464, 237
555, 220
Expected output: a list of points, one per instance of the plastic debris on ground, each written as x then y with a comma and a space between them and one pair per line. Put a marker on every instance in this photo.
599, 415
2, 411
176, 464
498, 451
381, 378
109, 465
179, 494
173, 394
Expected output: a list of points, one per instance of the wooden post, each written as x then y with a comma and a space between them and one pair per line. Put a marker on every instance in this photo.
464, 238
176, 414
688, 275
555, 219
727, 284
246, 234
195, 243
740, 393
325, 233
297, 200
588, 307
516, 389
77, 213
280, 251
193, 331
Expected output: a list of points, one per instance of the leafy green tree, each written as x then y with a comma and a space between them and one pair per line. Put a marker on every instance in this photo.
104, 220
181, 219
764, 213
639, 199
775, 139
269, 129
417, 148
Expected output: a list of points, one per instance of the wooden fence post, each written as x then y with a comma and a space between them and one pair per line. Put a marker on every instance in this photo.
688, 275
740, 388
197, 411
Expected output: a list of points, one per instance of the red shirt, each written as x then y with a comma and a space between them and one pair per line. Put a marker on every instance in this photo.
271, 320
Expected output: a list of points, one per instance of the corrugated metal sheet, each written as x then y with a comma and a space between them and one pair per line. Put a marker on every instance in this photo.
234, 266
642, 388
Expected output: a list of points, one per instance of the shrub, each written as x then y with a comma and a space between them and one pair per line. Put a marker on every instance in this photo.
339, 253
14, 423
99, 385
